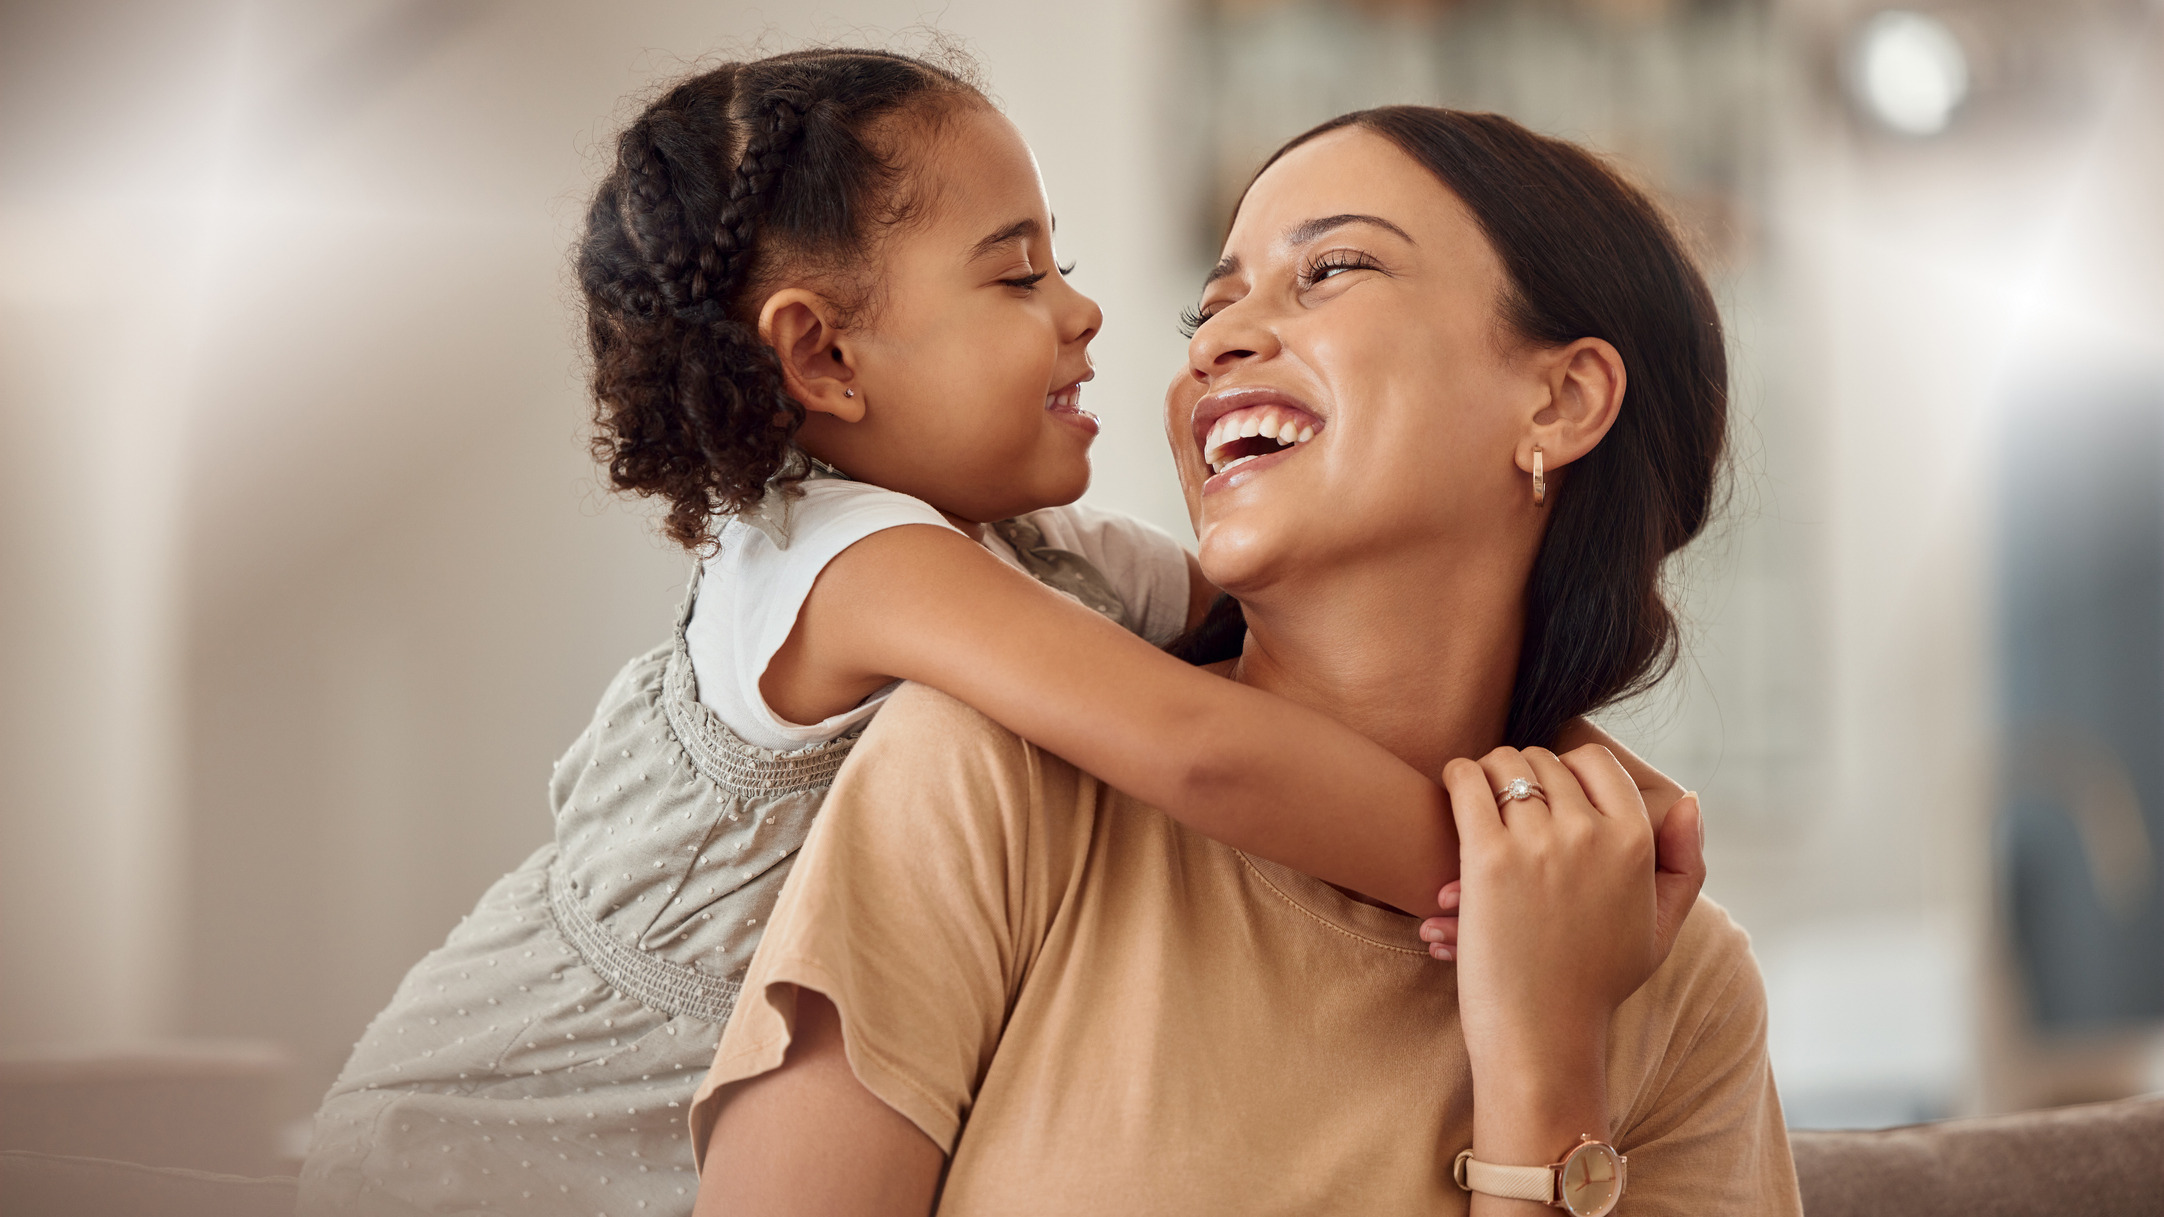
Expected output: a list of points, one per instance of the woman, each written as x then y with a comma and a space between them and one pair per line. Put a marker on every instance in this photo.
1004, 986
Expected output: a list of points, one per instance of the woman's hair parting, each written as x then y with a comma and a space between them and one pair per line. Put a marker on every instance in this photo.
729, 181
1587, 254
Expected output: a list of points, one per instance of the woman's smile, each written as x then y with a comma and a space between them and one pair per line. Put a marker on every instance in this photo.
1247, 430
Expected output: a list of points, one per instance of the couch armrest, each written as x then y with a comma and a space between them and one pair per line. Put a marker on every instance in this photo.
2097, 1160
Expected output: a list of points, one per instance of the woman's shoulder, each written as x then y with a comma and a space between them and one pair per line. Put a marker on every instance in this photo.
928, 747
1710, 978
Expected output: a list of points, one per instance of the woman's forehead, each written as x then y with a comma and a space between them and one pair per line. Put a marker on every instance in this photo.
1349, 171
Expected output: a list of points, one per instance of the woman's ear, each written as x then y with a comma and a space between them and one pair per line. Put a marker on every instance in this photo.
1585, 383
815, 365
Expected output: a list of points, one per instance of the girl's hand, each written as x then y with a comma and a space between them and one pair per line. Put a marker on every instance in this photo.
1561, 916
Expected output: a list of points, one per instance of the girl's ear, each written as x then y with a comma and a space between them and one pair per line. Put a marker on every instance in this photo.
1584, 384
816, 367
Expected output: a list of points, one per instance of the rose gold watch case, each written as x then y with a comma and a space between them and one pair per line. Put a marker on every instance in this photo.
1598, 1191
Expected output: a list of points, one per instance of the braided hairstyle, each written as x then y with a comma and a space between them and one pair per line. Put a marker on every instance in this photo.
729, 182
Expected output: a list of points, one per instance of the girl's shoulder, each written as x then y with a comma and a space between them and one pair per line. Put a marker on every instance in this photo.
813, 515
1143, 563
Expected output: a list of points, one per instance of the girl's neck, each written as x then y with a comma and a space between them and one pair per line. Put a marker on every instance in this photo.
1422, 665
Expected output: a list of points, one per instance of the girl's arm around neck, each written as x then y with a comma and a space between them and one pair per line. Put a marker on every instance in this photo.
1247, 768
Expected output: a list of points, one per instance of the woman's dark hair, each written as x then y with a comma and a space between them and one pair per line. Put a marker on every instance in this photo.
1585, 255
730, 180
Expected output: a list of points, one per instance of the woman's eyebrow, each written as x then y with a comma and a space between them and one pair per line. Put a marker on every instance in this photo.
1226, 267
1017, 231
1308, 230
1305, 231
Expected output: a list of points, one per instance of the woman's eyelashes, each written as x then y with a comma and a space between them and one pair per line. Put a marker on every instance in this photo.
1330, 265
1318, 270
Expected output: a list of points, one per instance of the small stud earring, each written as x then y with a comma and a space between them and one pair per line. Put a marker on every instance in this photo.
1540, 479
849, 392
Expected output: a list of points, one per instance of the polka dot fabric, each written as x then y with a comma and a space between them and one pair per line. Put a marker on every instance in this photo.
541, 1060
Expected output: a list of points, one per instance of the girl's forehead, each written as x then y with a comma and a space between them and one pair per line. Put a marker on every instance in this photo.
978, 171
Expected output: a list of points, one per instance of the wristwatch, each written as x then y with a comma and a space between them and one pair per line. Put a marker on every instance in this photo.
1586, 1183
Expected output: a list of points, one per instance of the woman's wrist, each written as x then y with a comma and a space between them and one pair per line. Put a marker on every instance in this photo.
1530, 1108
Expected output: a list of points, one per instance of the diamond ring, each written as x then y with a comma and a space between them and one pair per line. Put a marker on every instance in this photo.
1520, 788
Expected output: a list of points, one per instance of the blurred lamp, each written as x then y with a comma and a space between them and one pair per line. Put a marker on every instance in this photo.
1908, 71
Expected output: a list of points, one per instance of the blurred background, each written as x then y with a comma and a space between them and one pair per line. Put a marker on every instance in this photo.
305, 577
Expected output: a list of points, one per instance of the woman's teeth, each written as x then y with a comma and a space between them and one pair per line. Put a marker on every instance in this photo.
1282, 426
1068, 399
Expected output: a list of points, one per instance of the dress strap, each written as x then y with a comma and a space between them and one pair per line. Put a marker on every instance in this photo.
1062, 570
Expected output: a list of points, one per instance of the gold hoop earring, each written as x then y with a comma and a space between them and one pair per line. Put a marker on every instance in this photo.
1540, 479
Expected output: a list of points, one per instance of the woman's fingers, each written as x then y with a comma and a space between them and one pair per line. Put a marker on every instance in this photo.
1504, 766
1680, 868
1565, 796
1605, 781
1472, 802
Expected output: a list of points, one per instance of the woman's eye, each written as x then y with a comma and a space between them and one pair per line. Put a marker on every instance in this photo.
1192, 319
1025, 282
1330, 266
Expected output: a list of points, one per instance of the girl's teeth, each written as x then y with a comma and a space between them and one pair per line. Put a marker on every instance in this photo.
1269, 427
1250, 426
1306, 434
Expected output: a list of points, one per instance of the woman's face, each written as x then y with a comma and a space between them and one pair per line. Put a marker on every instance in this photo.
1354, 318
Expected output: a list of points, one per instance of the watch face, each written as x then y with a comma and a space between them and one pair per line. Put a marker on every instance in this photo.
1592, 1180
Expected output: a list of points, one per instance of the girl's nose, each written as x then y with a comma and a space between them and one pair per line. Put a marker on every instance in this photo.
1083, 318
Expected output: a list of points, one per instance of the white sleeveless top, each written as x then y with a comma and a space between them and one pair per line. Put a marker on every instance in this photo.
758, 578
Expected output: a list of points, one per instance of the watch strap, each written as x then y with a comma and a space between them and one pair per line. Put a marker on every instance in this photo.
1509, 1182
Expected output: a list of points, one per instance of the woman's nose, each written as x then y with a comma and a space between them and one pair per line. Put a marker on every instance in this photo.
1230, 338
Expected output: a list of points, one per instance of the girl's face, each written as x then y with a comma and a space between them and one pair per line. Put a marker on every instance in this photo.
1352, 392
969, 368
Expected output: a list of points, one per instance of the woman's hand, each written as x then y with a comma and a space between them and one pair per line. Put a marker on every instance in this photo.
1561, 916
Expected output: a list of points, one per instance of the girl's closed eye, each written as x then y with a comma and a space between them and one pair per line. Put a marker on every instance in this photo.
1029, 282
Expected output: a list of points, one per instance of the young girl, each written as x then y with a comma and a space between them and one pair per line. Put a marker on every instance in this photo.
829, 333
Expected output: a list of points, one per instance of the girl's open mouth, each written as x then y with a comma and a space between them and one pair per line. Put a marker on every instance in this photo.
1067, 403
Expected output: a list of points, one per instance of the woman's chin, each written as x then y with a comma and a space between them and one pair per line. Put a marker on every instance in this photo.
1238, 554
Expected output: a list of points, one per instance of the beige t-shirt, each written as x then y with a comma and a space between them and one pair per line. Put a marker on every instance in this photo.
1094, 1010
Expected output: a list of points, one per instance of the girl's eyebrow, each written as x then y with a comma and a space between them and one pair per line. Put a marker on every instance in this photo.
1020, 230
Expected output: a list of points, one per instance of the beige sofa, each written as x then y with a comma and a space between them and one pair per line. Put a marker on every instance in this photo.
2102, 1160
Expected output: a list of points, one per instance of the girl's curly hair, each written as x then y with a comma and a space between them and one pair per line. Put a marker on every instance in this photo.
731, 179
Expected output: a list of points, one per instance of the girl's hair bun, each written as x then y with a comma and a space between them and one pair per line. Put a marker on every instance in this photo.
732, 179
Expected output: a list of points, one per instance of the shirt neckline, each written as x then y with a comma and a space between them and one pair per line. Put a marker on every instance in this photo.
1377, 927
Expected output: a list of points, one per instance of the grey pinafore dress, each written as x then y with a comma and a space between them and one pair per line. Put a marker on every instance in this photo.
541, 1060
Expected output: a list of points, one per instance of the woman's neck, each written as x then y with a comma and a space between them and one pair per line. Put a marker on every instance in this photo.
1423, 666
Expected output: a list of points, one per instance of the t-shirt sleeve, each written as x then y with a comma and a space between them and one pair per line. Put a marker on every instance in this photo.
1704, 1133
916, 906
1146, 567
